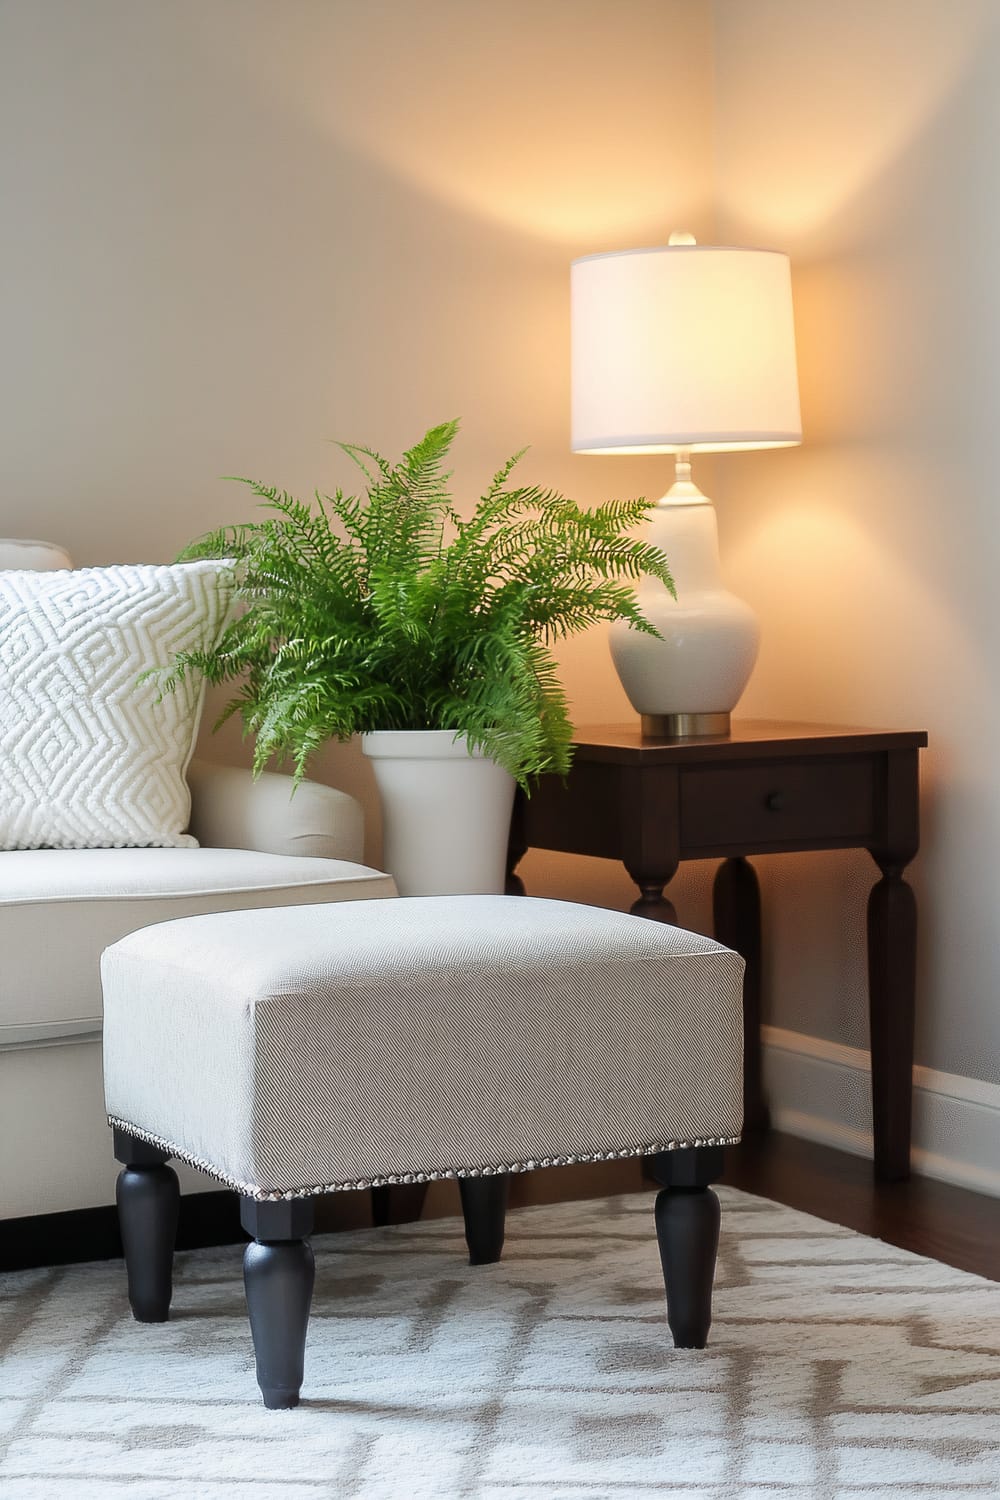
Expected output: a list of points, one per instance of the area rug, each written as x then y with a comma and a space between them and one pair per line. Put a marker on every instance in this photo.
838, 1367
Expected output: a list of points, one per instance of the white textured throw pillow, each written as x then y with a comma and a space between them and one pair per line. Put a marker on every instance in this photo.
88, 758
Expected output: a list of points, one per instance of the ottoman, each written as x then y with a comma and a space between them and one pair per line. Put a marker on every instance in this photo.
314, 1049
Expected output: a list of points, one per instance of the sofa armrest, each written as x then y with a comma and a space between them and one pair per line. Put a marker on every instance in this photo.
230, 810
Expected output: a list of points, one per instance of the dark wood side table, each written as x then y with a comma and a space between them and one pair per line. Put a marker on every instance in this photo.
766, 788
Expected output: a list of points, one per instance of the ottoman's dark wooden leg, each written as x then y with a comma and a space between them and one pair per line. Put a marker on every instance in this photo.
484, 1204
687, 1227
148, 1203
278, 1273
398, 1203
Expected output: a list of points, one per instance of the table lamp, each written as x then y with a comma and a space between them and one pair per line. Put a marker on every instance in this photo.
684, 349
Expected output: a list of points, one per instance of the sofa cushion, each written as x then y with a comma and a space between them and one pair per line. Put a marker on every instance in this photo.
59, 908
89, 757
15, 552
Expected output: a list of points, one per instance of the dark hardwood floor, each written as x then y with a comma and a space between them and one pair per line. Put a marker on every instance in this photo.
930, 1218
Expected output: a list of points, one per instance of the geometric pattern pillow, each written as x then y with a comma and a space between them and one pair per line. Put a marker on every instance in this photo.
88, 758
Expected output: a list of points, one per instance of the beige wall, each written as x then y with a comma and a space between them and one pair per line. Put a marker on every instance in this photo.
862, 138
232, 231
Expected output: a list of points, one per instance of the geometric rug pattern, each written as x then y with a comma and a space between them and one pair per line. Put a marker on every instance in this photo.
838, 1367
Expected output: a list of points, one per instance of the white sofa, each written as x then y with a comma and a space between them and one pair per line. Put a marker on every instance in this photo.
59, 908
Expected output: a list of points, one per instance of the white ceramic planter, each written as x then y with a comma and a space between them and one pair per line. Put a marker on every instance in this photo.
445, 813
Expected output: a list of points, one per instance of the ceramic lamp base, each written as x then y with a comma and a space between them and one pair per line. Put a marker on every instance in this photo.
686, 680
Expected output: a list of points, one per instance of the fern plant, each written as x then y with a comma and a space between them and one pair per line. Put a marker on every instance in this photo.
390, 611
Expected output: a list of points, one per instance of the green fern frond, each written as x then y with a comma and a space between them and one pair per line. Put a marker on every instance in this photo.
388, 610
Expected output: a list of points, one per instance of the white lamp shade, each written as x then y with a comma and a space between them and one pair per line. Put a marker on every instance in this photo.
684, 346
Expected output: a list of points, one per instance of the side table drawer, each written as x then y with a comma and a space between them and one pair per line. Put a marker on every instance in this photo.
781, 802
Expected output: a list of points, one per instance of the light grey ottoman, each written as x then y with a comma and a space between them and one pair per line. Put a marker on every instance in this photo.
313, 1049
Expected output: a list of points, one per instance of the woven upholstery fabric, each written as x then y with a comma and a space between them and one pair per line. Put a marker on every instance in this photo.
88, 757
311, 1048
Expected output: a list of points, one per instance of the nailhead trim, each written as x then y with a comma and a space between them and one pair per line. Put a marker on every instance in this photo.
266, 1195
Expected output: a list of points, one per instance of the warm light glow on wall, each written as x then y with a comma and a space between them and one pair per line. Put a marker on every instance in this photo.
810, 560
789, 183
551, 120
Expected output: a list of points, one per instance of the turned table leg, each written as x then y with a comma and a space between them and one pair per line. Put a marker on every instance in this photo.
892, 942
278, 1274
651, 877
892, 967
736, 912
517, 847
148, 1200
652, 902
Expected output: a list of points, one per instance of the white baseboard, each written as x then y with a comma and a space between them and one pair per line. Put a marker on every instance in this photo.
821, 1091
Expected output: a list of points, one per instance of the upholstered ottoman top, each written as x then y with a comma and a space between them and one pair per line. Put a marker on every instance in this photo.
310, 1048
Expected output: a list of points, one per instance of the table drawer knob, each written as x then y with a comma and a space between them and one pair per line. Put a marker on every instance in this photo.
774, 801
